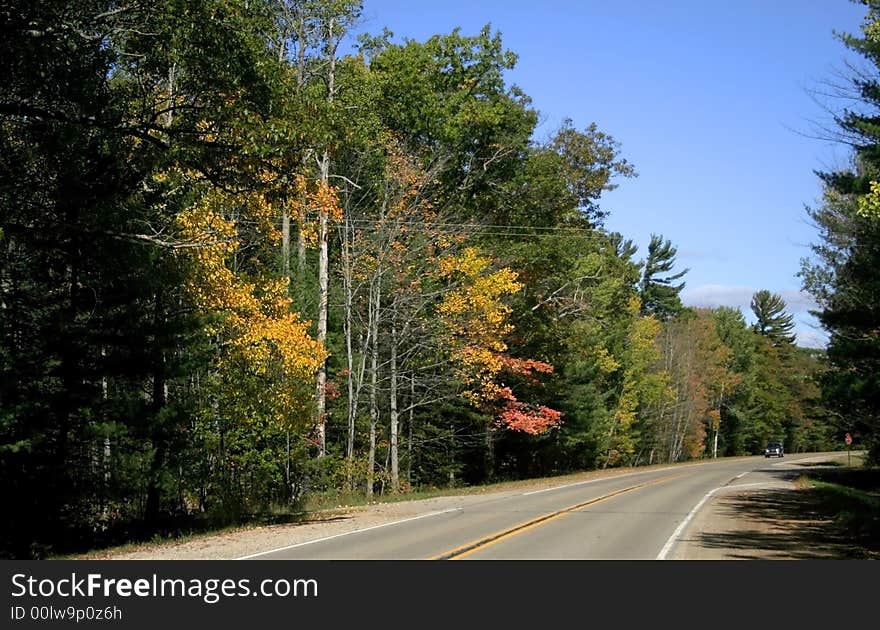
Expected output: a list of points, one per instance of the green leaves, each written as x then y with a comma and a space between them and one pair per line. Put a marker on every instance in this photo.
589, 161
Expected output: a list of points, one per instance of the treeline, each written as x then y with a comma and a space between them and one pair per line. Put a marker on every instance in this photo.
242, 263
843, 274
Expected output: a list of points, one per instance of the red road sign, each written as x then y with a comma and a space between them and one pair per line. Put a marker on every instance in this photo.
848, 439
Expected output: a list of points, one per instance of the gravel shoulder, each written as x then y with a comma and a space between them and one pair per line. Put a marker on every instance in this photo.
777, 518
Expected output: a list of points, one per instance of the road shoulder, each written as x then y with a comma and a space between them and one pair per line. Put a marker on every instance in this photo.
771, 514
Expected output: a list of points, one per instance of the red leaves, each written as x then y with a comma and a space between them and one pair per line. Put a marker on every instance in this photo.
532, 419
526, 367
331, 390
518, 416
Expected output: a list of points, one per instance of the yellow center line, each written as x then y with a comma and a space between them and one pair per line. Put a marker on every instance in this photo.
487, 541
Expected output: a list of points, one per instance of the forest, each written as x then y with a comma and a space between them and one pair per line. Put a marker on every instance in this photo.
247, 258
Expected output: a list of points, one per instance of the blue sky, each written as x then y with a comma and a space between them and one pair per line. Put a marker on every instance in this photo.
710, 100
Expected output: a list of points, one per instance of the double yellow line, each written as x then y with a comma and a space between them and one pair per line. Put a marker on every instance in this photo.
478, 545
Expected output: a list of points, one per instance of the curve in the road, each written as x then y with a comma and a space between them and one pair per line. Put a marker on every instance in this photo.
472, 547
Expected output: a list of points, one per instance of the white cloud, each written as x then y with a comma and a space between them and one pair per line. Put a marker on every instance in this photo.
798, 303
807, 338
715, 295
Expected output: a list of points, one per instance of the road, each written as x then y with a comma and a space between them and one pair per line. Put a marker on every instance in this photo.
639, 515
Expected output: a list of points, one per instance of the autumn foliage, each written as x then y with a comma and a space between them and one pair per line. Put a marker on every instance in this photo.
249, 314
476, 320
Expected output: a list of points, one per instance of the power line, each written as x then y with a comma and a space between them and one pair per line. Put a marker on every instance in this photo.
484, 226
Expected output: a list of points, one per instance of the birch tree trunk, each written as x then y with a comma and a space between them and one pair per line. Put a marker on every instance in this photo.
409, 443
395, 471
323, 261
302, 37
375, 301
349, 349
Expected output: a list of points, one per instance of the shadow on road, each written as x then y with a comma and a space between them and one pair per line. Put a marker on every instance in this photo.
793, 523
787, 526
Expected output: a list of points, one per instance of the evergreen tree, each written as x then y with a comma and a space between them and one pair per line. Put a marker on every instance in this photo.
771, 319
844, 276
659, 293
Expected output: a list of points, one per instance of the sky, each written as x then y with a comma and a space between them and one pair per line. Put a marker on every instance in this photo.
713, 101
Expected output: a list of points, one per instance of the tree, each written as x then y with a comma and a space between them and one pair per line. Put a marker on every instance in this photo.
737, 335
843, 278
771, 320
447, 100
117, 122
659, 294
843, 275
590, 159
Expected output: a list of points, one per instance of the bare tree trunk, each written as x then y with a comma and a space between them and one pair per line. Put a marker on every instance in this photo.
375, 301
285, 216
169, 114
105, 463
349, 350
718, 425
323, 262
489, 461
395, 471
300, 83
323, 282
285, 247
409, 442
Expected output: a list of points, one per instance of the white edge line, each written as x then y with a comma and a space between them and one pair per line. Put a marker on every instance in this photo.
741, 475
356, 531
678, 530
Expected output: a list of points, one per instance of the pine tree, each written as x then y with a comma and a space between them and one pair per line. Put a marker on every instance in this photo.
843, 276
771, 319
660, 296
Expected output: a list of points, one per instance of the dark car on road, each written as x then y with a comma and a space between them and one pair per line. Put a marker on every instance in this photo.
774, 449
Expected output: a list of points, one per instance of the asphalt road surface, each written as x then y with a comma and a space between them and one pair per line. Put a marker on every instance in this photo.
639, 515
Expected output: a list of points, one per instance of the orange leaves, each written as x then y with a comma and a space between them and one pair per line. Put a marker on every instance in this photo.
325, 200
309, 202
530, 419
476, 319
406, 179
526, 367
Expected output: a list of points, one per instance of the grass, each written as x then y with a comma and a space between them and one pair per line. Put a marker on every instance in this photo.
850, 496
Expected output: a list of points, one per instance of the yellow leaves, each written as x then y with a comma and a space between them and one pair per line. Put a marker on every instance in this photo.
475, 309
258, 335
643, 339
475, 317
869, 205
266, 344
605, 361
714, 418
633, 305
469, 263
871, 26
